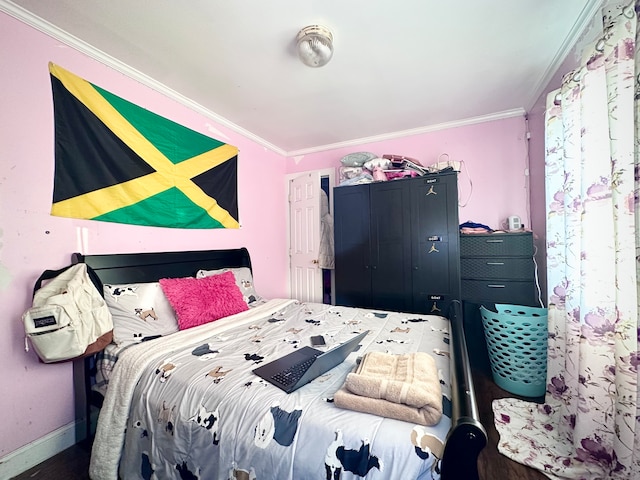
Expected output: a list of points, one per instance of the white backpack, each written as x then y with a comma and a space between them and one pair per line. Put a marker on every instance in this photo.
69, 318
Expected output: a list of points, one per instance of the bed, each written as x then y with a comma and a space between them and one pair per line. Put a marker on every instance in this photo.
186, 405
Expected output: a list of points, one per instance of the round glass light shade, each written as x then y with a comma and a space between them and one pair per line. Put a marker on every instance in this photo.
315, 45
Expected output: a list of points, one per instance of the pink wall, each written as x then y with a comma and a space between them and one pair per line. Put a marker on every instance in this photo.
37, 398
31, 240
494, 153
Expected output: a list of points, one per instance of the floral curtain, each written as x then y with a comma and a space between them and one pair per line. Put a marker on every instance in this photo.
589, 424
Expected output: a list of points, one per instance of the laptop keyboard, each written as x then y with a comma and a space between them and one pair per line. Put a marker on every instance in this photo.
292, 374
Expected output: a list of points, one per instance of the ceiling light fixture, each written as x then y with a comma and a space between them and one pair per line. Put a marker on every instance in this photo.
315, 45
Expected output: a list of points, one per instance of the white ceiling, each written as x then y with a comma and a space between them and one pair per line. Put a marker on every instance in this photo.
398, 67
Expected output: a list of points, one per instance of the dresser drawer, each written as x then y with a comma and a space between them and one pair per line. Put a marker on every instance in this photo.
508, 268
496, 244
481, 291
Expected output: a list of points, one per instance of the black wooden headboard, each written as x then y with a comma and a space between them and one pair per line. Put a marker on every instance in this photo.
150, 267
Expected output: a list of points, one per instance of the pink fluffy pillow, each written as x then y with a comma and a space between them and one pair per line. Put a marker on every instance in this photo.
202, 300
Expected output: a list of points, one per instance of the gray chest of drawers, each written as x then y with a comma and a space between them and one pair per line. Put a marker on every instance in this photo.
498, 268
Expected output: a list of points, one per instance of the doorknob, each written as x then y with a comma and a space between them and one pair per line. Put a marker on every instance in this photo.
315, 262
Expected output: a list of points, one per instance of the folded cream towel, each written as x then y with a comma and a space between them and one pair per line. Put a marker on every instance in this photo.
404, 387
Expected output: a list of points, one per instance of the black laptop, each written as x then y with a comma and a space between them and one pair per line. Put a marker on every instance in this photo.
299, 367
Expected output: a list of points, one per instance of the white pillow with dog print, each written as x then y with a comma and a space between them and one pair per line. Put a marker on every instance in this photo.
244, 280
140, 312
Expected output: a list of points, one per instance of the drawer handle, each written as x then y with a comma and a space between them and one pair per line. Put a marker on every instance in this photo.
495, 240
495, 286
495, 263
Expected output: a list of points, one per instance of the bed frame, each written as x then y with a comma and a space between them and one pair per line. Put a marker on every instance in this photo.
466, 438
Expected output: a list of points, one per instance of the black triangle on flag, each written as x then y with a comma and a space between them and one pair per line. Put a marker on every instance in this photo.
221, 183
91, 157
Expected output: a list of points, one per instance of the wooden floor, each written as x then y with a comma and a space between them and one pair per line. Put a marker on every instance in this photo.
491, 463
73, 463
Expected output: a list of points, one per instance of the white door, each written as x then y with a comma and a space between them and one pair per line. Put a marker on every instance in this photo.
304, 242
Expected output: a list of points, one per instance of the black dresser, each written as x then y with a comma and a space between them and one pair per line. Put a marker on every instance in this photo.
498, 268
494, 268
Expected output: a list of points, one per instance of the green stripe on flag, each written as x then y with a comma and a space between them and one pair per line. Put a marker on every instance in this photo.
170, 208
175, 141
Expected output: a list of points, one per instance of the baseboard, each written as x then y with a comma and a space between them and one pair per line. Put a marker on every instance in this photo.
40, 450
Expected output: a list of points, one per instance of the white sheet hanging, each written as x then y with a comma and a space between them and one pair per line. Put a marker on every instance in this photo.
326, 257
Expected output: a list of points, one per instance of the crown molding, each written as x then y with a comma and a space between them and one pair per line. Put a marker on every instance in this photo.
51, 30
581, 24
518, 112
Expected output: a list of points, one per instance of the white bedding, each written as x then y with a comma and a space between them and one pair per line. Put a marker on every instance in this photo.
211, 416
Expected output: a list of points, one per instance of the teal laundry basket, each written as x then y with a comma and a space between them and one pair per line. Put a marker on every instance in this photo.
517, 344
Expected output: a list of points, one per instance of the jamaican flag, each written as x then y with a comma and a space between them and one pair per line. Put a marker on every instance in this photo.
117, 162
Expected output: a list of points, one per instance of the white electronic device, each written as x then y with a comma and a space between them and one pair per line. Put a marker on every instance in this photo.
514, 222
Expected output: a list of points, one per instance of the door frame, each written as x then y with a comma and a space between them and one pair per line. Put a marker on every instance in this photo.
329, 173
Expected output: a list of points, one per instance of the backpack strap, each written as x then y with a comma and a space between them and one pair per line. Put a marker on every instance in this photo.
96, 280
49, 274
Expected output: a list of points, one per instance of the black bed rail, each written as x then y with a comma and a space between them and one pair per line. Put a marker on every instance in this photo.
467, 437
